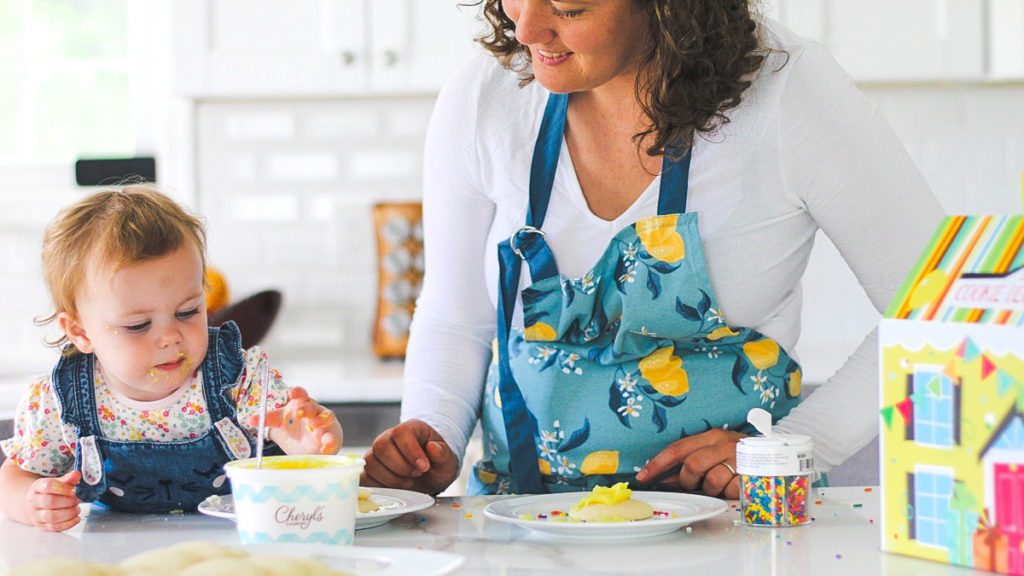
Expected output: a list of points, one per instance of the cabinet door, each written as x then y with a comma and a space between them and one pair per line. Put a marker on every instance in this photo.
885, 40
1006, 43
417, 44
265, 47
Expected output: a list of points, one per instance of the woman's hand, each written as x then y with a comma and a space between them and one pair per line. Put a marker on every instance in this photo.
410, 456
302, 426
706, 461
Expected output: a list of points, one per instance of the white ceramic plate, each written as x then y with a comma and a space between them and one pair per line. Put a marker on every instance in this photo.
364, 561
393, 503
672, 511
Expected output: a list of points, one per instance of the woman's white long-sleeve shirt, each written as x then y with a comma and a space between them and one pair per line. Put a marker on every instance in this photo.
804, 151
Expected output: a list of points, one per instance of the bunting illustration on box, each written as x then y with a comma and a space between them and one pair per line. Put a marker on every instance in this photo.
952, 399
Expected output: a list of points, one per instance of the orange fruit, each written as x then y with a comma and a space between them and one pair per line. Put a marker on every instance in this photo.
216, 291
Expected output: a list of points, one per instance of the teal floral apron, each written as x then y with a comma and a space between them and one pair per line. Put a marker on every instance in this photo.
613, 366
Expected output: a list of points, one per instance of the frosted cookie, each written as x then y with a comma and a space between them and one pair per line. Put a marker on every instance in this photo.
365, 504
613, 504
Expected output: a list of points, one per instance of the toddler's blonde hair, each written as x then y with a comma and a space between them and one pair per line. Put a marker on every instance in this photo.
112, 228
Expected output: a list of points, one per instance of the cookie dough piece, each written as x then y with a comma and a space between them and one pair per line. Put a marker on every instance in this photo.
63, 567
174, 559
260, 566
613, 504
365, 504
287, 566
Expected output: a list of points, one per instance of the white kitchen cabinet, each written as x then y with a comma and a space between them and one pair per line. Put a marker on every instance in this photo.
904, 40
317, 47
1006, 41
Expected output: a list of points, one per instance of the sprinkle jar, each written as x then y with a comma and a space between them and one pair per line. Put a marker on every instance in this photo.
775, 479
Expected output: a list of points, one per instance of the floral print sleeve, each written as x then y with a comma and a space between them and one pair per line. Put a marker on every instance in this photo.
41, 443
247, 394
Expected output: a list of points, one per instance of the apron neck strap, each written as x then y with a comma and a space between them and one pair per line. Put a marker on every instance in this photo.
675, 174
545, 157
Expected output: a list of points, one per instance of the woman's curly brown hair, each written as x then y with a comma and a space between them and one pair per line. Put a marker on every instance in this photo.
701, 58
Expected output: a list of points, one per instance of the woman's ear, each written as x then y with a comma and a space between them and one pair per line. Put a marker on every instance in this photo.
75, 332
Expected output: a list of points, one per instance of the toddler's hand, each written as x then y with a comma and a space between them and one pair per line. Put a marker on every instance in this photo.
52, 504
302, 426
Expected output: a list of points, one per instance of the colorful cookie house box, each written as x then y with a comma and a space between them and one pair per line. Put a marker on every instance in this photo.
952, 400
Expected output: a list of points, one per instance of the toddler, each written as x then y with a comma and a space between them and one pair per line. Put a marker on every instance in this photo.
147, 402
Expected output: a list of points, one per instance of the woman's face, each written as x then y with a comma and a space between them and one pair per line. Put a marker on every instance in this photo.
580, 45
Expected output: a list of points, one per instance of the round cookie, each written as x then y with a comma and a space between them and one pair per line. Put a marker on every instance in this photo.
625, 511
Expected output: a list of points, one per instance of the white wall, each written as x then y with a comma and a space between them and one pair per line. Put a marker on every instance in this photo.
288, 185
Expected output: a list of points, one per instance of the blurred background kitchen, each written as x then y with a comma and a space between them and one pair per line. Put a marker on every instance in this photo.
285, 123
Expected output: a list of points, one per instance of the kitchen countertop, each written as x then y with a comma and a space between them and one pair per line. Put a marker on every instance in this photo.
843, 539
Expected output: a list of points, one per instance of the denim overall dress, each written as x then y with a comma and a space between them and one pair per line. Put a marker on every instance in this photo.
157, 477
613, 366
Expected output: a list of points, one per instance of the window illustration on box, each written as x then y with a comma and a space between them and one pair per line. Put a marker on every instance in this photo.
936, 417
399, 231
952, 400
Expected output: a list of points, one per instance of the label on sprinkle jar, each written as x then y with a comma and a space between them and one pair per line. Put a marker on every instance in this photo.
775, 456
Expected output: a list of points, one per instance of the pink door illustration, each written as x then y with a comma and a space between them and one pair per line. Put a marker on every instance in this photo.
1009, 485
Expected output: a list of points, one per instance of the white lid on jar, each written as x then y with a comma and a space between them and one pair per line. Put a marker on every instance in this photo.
776, 455
776, 441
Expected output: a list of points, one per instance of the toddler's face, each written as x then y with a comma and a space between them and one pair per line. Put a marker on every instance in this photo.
146, 323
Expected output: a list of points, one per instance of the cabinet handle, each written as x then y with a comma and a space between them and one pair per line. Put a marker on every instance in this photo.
348, 57
390, 58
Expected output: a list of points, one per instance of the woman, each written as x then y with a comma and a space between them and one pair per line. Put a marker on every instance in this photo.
662, 166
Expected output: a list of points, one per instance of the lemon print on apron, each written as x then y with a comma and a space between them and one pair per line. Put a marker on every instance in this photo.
659, 236
540, 331
600, 462
763, 354
664, 371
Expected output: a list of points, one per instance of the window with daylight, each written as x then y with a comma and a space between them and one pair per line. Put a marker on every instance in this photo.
75, 76
934, 410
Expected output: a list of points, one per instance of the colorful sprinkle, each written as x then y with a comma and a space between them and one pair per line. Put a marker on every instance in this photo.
774, 500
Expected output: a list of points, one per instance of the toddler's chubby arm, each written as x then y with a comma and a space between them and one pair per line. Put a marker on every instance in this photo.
47, 503
302, 426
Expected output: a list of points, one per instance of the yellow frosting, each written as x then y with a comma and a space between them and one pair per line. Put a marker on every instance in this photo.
605, 495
